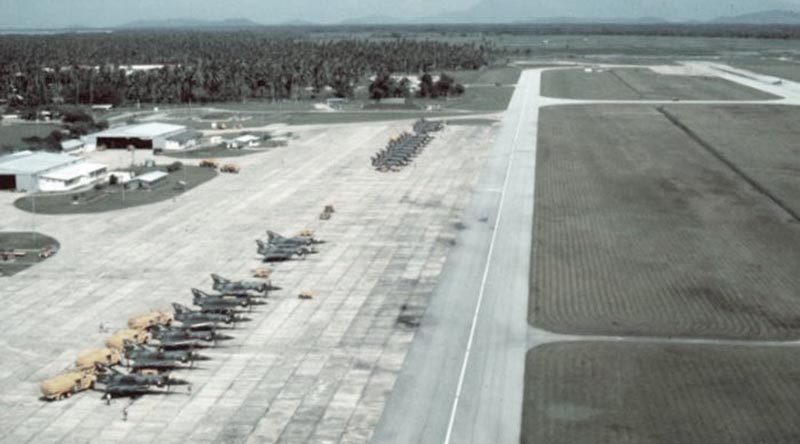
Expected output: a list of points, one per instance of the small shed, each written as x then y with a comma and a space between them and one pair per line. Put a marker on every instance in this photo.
248, 140
148, 180
72, 145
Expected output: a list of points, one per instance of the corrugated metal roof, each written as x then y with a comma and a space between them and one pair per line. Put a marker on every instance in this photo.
28, 162
142, 130
152, 176
74, 171
71, 144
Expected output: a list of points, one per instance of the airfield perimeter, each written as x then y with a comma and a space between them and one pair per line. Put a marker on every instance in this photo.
316, 370
325, 370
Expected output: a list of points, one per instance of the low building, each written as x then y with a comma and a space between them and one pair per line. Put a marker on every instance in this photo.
39, 171
71, 145
181, 141
140, 136
73, 176
248, 140
147, 180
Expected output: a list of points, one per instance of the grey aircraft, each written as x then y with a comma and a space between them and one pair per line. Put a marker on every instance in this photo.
276, 239
175, 338
236, 288
273, 253
219, 303
197, 318
134, 351
114, 383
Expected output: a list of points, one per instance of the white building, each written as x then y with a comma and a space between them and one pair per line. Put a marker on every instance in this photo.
71, 145
248, 140
147, 180
39, 171
155, 136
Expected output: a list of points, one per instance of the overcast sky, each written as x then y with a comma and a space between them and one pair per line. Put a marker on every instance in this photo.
101, 13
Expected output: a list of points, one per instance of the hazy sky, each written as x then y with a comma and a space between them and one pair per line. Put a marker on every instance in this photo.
101, 13
50, 13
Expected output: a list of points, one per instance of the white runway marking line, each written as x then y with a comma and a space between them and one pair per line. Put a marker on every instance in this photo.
485, 272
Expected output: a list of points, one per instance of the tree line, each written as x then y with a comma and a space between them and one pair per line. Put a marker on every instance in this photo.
200, 66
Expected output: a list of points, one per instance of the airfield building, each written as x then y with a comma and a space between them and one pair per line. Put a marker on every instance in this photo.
37, 171
155, 136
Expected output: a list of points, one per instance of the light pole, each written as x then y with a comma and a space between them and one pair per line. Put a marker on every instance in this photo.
33, 208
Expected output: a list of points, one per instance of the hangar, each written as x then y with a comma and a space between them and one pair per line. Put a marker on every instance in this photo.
155, 136
39, 171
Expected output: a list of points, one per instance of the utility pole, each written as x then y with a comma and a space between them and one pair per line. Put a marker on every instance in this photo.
33, 208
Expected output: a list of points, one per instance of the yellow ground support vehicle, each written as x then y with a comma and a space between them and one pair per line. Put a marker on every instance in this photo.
117, 340
66, 384
150, 320
262, 273
306, 233
105, 356
209, 163
307, 295
327, 212
230, 168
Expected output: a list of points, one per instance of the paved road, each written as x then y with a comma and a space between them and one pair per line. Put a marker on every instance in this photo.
482, 361
463, 380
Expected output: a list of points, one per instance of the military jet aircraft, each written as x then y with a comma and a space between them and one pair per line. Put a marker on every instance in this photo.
274, 238
114, 383
176, 338
196, 318
236, 288
273, 253
139, 352
219, 303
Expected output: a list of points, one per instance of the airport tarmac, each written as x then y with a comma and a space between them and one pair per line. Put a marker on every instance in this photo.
301, 371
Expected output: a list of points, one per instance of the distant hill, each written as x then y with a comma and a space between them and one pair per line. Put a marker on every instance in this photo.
774, 17
606, 11
190, 23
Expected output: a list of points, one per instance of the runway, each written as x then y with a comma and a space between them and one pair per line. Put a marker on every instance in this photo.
463, 379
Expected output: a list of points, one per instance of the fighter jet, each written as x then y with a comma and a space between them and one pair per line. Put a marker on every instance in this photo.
273, 253
114, 383
276, 239
196, 318
218, 303
236, 288
139, 352
176, 338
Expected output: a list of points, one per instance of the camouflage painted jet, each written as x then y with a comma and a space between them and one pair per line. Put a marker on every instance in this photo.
175, 338
138, 352
276, 239
273, 253
116, 384
196, 318
218, 303
236, 288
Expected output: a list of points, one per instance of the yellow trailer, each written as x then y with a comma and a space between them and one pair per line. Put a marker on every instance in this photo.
149, 320
66, 384
117, 340
105, 356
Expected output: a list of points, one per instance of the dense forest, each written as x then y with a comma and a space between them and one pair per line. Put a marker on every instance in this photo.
194, 66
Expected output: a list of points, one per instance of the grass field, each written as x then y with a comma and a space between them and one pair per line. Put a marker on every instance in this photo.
639, 230
29, 242
786, 69
641, 84
113, 198
11, 134
655, 394
764, 141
